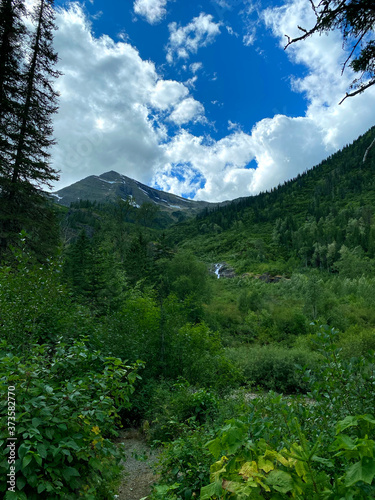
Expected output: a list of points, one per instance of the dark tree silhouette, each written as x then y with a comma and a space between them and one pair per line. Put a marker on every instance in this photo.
30, 102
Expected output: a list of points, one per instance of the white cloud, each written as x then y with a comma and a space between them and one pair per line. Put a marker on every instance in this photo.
108, 93
231, 31
187, 110
233, 126
281, 147
186, 40
194, 67
250, 38
191, 82
116, 113
324, 86
153, 10
220, 164
167, 93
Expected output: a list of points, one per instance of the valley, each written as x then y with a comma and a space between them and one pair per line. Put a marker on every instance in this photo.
170, 322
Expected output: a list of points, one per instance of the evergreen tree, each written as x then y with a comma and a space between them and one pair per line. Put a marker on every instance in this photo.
12, 34
26, 168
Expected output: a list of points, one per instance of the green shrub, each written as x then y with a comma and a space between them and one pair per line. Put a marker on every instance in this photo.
289, 322
273, 367
196, 353
173, 406
67, 403
184, 467
357, 341
133, 332
341, 386
36, 307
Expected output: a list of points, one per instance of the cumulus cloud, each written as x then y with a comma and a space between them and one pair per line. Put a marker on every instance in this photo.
153, 10
282, 147
167, 93
109, 97
221, 165
324, 86
116, 112
186, 40
187, 110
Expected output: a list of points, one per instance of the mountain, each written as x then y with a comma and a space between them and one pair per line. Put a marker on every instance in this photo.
317, 218
112, 185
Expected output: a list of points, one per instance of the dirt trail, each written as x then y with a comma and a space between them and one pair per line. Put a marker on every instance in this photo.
138, 475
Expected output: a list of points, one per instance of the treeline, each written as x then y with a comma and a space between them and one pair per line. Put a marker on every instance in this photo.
338, 181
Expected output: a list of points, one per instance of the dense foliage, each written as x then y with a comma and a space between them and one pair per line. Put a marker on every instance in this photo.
235, 378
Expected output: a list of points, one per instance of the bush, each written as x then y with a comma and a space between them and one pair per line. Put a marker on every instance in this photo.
67, 404
273, 367
184, 467
174, 406
357, 341
35, 307
196, 353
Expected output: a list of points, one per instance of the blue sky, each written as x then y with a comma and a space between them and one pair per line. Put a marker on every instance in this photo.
199, 99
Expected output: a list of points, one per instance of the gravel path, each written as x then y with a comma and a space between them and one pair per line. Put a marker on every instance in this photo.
138, 475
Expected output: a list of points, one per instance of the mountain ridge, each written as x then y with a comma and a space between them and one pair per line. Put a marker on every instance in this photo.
111, 185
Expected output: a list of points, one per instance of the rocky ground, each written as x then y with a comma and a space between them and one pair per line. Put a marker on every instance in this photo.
138, 475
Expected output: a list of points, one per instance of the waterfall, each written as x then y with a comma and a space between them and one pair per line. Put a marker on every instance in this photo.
217, 269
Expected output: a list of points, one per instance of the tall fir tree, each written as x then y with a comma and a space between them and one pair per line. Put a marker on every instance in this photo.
12, 34
26, 168
12, 37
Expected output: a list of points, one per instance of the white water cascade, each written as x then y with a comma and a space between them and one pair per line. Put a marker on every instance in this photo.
217, 269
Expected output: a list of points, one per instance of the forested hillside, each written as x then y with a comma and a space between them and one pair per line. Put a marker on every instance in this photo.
309, 218
257, 385
239, 341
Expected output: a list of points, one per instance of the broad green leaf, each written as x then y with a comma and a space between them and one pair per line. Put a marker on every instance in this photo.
215, 447
36, 422
42, 450
213, 489
10, 495
21, 481
41, 487
280, 481
354, 421
26, 460
265, 465
361, 471
69, 472
343, 442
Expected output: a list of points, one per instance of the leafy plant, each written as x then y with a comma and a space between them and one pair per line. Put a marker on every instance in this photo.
341, 386
67, 403
273, 367
255, 470
177, 407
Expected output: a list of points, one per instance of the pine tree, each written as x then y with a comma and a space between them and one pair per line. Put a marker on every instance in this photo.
26, 167
12, 34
